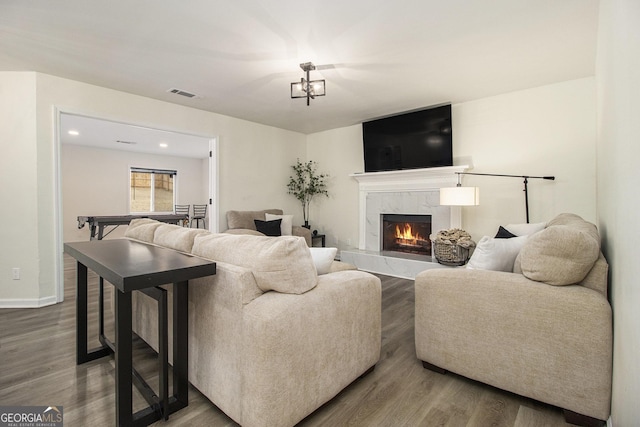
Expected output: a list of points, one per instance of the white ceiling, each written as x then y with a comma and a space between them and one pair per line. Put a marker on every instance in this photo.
379, 57
110, 135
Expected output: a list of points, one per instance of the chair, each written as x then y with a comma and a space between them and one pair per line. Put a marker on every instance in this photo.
199, 214
182, 210
543, 331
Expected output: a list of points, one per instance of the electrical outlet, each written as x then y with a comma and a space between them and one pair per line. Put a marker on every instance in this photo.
16, 273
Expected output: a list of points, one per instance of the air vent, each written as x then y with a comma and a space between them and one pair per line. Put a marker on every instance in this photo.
183, 93
126, 142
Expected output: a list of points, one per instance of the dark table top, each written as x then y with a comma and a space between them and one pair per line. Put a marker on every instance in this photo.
131, 265
126, 219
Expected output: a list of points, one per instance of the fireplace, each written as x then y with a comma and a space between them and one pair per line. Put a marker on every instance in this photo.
406, 233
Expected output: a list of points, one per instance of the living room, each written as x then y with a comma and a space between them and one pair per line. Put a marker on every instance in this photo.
581, 130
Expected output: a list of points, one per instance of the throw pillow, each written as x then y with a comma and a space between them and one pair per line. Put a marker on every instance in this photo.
268, 228
496, 254
525, 229
560, 254
287, 223
323, 258
282, 264
503, 233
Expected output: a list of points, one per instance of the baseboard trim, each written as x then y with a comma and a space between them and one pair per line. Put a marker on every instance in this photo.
28, 303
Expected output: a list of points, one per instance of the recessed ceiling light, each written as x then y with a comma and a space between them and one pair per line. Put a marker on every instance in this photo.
164, 145
74, 132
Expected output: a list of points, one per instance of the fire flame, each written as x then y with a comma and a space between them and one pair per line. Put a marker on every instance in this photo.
404, 232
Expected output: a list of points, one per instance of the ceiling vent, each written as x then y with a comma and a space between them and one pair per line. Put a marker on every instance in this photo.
126, 142
183, 93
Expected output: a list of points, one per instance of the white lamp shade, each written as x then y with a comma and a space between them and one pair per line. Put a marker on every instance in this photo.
459, 196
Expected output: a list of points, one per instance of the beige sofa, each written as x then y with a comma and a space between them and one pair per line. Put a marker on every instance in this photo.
242, 222
543, 331
270, 341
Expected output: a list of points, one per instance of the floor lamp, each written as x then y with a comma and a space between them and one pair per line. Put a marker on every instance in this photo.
469, 196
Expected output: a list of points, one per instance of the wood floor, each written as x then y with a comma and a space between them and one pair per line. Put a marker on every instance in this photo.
37, 367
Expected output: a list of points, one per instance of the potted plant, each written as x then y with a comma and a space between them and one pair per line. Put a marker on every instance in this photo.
305, 184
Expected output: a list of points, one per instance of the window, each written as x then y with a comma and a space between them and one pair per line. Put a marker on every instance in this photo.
151, 190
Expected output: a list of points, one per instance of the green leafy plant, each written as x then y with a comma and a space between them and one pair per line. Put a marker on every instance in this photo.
305, 184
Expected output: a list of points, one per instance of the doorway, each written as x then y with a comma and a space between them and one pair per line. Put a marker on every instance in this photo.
94, 159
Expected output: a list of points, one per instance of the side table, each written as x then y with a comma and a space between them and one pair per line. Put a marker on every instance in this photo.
318, 236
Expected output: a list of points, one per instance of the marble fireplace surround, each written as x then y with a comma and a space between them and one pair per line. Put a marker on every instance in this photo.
415, 191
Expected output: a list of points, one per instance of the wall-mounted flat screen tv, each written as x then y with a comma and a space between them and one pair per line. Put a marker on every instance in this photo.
419, 139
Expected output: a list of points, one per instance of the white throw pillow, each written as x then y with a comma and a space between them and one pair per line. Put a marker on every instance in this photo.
286, 225
323, 258
525, 229
496, 254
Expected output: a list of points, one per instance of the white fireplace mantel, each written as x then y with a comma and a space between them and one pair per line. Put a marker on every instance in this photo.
409, 179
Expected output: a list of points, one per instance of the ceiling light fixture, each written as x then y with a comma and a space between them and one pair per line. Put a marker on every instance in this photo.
307, 88
164, 145
74, 132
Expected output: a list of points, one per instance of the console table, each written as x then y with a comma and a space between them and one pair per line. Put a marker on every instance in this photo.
132, 266
98, 223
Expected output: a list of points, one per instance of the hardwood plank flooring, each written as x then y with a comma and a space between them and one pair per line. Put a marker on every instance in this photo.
37, 367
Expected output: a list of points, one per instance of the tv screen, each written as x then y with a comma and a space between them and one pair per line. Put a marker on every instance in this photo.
420, 139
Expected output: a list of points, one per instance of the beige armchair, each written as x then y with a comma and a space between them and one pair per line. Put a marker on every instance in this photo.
242, 222
543, 331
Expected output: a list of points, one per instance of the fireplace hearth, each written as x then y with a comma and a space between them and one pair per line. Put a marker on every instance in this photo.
407, 234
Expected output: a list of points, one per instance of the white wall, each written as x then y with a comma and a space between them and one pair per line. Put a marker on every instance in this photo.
19, 189
338, 153
254, 166
618, 62
96, 182
548, 130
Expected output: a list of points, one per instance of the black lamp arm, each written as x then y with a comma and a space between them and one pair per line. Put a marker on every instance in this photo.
508, 176
526, 182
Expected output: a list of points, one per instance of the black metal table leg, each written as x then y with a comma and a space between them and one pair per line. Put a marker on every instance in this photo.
181, 343
81, 314
84, 355
124, 365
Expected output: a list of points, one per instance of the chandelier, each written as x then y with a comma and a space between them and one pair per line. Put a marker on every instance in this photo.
307, 88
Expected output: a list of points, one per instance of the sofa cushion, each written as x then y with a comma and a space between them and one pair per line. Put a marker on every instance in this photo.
243, 231
495, 253
323, 258
281, 264
287, 223
176, 237
268, 228
561, 254
142, 229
